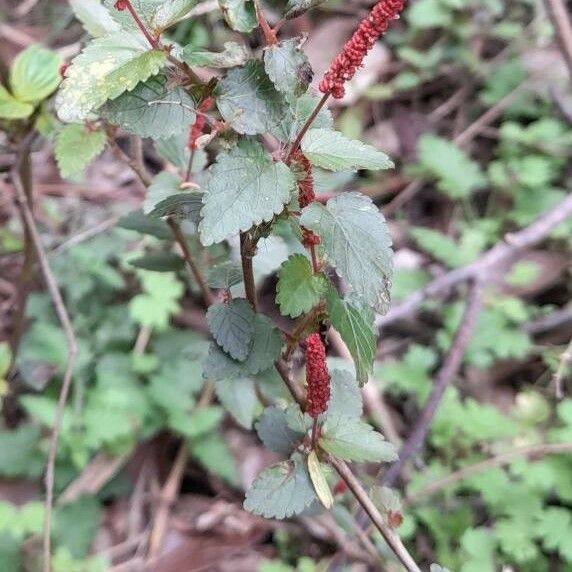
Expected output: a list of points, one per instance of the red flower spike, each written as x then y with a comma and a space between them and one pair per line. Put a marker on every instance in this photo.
317, 376
199, 125
309, 238
121, 5
351, 58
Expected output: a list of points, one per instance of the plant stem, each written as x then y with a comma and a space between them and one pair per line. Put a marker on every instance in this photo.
269, 33
155, 44
296, 144
189, 172
392, 539
247, 248
208, 296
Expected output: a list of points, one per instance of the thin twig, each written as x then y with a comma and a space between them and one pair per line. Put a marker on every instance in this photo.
497, 256
445, 377
136, 167
392, 539
559, 16
208, 296
531, 452
72, 349
247, 250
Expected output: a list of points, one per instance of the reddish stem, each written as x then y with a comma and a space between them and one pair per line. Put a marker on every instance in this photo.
155, 44
269, 33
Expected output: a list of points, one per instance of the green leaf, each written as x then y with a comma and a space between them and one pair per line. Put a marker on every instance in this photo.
139, 222
75, 525
35, 74
333, 151
20, 454
95, 18
213, 453
274, 432
345, 396
106, 68
457, 175
225, 275
239, 14
245, 187
295, 8
239, 398
355, 238
159, 262
5, 359
297, 113
76, 147
200, 422
318, 478
555, 530
181, 206
232, 326
163, 186
437, 568
248, 100
299, 289
350, 439
169, 12
158, 302
355, 325
288, 67
233, 55
152, 109
281, 491
12, 108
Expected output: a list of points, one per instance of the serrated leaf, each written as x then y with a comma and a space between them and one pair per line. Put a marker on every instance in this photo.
106, 68
95, 18
288, 67
20, 453
76, 523
156, 15
225, 275
239, 14
248, 100
245, 187
152, 109
239, 398
356, 240
281, 491
233, 55
319, 481
163, 186
333, 151
34, 74
12, 108
139, 222
297, 113
213, 453
274, 432
299, 289
297, 420
350, 439
159, 262
296, 8
356, 327
170, 12
345, 396
266, 346
232, 327
76, 147
182, 206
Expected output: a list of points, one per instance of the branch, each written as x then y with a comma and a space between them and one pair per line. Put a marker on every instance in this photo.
447, 373
503, 253
531, 452
392, 539
247, 248
65, 322
560, 19
208, 296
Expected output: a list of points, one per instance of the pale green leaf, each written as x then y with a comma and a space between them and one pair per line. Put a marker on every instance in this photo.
350, 439
274, 432
245, 187
106, 68
437, 568
345, 396
170, 12
95, 18
333, 151
288, 67
152, 109
156, 15
20, 453
181, 207
76, 523
232, 326
12, 108
224, 275
35, 74
163, 186
299, 289
248, 100
76, 147
295, 8
318, 478
140, 222
5, 359
356, 327
239, 14
233, 55
281, 491
238, 396
356, 240
213, 453
159, 262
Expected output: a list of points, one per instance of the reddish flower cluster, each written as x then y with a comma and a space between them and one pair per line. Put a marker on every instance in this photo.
317, 376
306, 193
309, 238
199, 125
351, 58
63, 69
121, 5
